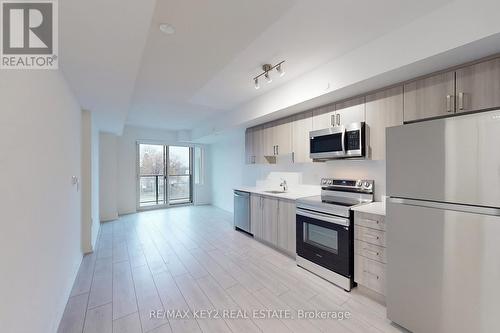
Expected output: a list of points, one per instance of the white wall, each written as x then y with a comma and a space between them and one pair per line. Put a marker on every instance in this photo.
119, 170
228, 170
40, 240
108, 177
96, 220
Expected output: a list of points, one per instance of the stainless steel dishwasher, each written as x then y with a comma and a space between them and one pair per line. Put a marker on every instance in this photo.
242, 210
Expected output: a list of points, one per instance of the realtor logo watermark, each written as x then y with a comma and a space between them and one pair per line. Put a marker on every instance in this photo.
29, 34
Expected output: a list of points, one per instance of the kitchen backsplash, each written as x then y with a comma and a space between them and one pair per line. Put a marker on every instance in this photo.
311, 173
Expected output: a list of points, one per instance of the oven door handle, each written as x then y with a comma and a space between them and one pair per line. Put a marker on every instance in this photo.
323, 217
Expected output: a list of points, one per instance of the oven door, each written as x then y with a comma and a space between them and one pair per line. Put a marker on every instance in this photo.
327, 143
325, 240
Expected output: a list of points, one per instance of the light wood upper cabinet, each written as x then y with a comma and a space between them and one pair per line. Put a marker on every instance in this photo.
478, 86
350, 111
301, 126
249, 153
429, 97
267, 144
270, 220
383, 109
253, 145
323, 117
282, 135
256, 215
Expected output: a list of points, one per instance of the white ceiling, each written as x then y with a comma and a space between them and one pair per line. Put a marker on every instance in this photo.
122, 67
101, 45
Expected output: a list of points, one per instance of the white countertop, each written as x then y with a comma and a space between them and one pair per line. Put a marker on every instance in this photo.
292, 194
377, 208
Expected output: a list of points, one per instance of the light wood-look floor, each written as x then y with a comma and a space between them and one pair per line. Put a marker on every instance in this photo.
192, 258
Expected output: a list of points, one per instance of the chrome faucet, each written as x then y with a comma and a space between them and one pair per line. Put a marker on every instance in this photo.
284, 185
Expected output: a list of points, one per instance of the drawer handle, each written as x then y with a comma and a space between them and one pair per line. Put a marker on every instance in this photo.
370, 273
372, 236
371, 251
372, 221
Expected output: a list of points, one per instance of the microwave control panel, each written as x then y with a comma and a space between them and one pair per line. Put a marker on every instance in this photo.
353, 140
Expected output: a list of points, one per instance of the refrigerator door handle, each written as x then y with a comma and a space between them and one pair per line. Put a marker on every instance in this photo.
448, 206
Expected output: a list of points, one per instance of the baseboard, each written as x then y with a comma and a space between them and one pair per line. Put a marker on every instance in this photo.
66, 296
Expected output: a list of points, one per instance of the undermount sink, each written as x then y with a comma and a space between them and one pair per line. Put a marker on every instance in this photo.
275, 192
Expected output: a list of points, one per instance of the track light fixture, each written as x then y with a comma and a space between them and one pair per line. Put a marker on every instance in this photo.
266, 69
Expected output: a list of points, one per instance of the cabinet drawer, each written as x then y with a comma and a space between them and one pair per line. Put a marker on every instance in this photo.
369, 273
370, 251
369, 220
372, 236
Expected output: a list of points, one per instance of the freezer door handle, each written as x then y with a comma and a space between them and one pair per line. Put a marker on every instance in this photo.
448, 206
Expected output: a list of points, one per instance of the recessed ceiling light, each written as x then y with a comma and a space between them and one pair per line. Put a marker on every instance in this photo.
167, 29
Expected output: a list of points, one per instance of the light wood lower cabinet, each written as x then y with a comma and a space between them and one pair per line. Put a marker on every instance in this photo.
256, 215
273, 221
286, 226
370, 251
270, 220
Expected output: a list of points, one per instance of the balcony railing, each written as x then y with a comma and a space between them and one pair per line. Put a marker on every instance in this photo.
152, 189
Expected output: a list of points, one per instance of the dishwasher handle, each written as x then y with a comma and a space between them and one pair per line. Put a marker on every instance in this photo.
241, 194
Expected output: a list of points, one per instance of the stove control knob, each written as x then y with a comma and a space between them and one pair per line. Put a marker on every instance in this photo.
330, 182
323, 181
359, 183
367, 185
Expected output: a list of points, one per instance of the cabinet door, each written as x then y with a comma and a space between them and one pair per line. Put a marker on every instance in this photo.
250, 157
282, 136
256, 215
323, 117
478, 86
270, 220
350, 111
429, 97
257, 145
383, 109
268, 145
286, 226
302, 125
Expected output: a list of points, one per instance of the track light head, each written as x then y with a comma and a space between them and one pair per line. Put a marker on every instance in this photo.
268, 78
256, 82
280, 70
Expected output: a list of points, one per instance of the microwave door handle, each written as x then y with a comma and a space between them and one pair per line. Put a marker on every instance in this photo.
343, 141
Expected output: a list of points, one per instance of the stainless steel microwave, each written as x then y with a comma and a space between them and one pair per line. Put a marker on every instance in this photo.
338, 142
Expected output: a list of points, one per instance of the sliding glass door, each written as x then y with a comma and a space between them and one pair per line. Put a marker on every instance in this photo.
165, 175
179, 174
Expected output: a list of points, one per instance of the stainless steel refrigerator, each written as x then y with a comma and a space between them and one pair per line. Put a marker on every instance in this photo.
443, 224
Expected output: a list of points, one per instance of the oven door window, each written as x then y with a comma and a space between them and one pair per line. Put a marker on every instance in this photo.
327, 143
327, 244
324, 238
